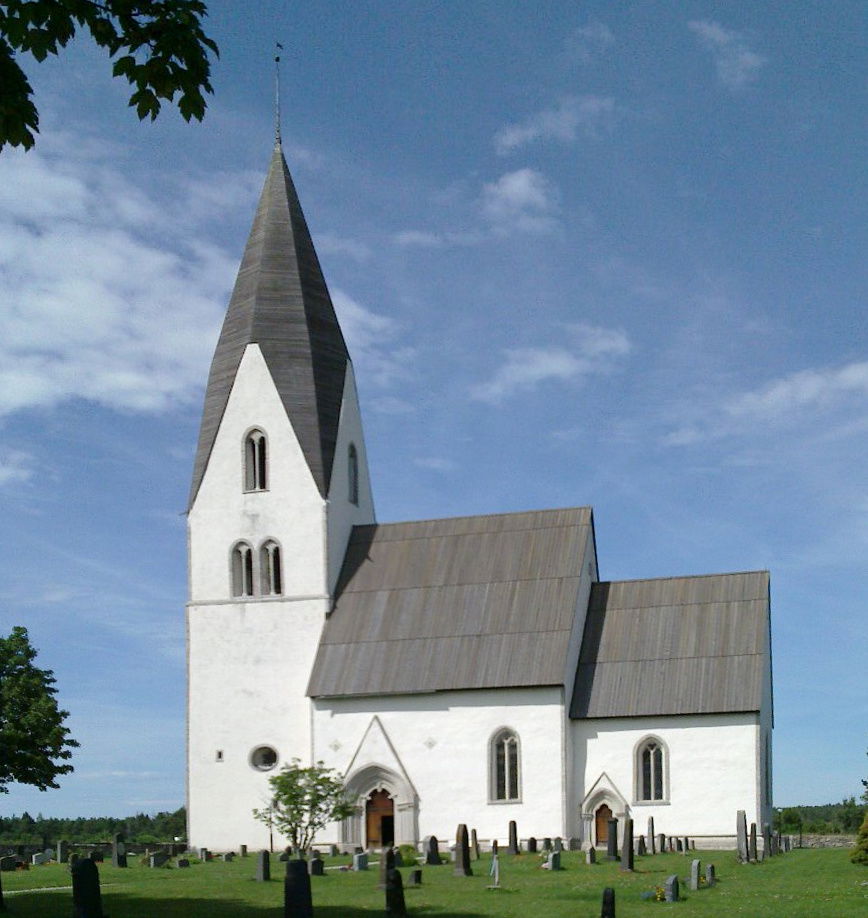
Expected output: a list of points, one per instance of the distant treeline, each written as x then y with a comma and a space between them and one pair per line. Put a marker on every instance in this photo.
828, 819
141, 828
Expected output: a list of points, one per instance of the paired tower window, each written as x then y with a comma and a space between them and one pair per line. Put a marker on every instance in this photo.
651, 770
505, 765
255, 461
270, 572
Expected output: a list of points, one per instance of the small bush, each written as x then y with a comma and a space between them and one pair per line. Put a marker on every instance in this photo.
860, 852
408, 853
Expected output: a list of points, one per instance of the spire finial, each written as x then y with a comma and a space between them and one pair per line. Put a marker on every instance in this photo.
277, 48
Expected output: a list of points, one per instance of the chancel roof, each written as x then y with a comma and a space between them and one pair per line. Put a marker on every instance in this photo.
680, 645
465, 603
281, 302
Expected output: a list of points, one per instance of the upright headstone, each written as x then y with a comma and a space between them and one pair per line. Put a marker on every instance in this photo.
641, 847
263, 867
513, 838
416, 877
39, 858
678, 845
776, 843
228, 856
360, 861
243, 850
554, 861
608, 909
494, 850
494, 871
612, 841
686, 845
670, 889
710, 877
531, 845
297, 900
203, 854
767, 841
695, 870
462, 853
62, 852
741, 836
395, 905
752, 848
387, 863
547, 844
591, 855
661, 844
86, 897
432, 851
573, 843
159, 859
671, 842
399, 858
316, 867
474, 844
558, 844
627, 846
119, 851
334, 851
651, 844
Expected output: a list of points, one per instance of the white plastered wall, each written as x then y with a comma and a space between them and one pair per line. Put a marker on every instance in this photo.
441, 742
710, 769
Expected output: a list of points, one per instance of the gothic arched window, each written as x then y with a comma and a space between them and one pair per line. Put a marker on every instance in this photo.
651, 770
505, 765
270, 574
353, 473
242, 569
255, 461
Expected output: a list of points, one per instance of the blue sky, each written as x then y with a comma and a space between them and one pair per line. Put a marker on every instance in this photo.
583, 253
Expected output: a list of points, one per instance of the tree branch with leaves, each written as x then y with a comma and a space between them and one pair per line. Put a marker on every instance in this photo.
159, 46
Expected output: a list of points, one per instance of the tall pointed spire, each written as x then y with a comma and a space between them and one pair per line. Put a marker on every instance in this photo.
281, 302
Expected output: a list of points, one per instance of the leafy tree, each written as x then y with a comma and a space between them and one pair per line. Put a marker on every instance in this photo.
34, 743
860, 852
158, 45
303, 801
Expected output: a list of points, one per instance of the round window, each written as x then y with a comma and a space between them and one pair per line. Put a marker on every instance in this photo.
263, 758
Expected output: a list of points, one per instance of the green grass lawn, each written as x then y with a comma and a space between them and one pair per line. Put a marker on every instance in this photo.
802, 884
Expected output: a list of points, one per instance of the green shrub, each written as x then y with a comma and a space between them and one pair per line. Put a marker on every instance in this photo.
860, 852
408, 853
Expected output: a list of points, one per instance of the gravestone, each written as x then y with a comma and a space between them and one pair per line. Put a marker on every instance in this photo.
558, 844
395, 904
710, 878
62, 852
432, 851
767, 841
119, 851
752, 849
416, 877
513, 838
474, 844
284, 856
183, 862
627, 846
462, 853
494, 872
608, 909
263, 867
10, 862
203, 854
678, 845
671, 843
228, 857
39, 858
776, 843
661, 844
612, 841
554, 861
86, 897
158, 859
399, 858
695, 870
651, 844
297, 901
387, 863
686, 845
243, 850
360, 861
573, 844
494, 848
641, 848
531, 845
670, 889
591, 855
741, 836
547, 844
316, 866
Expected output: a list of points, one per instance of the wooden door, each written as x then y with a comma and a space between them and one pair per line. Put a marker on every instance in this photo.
379, 819
603, 815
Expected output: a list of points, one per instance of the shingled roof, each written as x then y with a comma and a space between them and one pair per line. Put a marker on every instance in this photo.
282, 303
681, 645
465, 603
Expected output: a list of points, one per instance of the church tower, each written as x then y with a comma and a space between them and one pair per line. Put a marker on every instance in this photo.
279, 480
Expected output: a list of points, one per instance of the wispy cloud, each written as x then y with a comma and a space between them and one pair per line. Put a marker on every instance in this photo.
588, 116
594, 350
329, 244
737, 64
523, 200
15, 467
436, 464
588, 42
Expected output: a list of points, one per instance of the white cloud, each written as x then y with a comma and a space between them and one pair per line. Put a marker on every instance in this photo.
522, 200
587, 42
329, 244
594, 350
737, 64
587, 115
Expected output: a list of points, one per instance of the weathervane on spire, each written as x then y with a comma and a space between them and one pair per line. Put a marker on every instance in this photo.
278, 47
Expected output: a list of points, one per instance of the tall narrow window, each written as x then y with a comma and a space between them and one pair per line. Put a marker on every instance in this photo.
269, 569
242, 569
255, 461
353, 471
505, 766
650, 768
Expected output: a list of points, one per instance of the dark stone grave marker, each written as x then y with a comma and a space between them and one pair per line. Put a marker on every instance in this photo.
474, 844
641, 848
531, 845
554, 861
627, 846
297, 901
710, 877
263, 867
608, 909
416, 877
612, 841
671, 890
119, 851
432, 851
695, 870
316, 866
651, 845
395, 904
360, 861
591, 855
513, 838
243, 850
741, 836
387, 863
462, 853
86, 897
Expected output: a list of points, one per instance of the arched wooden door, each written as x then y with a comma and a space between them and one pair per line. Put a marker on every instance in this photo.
379, 820
601, 820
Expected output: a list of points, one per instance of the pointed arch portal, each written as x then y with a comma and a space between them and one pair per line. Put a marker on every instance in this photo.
385, 809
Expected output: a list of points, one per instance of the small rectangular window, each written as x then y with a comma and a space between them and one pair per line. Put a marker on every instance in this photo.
219, 756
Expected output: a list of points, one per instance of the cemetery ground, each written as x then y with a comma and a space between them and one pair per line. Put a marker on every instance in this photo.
805, 883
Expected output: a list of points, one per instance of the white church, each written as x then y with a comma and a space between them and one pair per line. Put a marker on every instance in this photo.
468, 670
